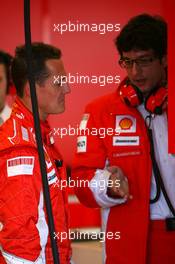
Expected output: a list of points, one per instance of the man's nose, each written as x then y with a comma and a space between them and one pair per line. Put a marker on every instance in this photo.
135, 69
66, 88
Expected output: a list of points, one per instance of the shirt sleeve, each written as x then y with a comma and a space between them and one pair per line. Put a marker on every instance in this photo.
89, 165
99, 185
20, 188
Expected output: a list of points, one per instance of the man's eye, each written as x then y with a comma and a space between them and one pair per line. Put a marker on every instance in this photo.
63, 79
128, 62
58, 84
144, 60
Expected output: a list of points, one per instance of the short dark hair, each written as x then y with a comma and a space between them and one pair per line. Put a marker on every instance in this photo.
41, 52
6, 59
143, 32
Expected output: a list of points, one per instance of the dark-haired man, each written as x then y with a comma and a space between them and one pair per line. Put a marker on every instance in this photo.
5, 62
133, 161
23, 222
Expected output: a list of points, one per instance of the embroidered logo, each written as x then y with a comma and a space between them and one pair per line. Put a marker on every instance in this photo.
22, 165
125, 141
84, 121
81, 144
125, 124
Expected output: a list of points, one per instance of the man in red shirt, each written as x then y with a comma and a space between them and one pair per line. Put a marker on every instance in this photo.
24, 231
5, 62
137, 195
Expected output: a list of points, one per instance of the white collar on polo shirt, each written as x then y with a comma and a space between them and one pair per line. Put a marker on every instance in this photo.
5, 113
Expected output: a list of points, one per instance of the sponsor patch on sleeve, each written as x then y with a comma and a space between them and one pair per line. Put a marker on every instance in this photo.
81, 144
83, 123
51, 176
22, 165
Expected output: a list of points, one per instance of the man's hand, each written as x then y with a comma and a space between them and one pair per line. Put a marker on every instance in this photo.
118, 184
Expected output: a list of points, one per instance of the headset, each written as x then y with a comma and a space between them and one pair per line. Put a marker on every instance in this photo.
154, 104
132, 96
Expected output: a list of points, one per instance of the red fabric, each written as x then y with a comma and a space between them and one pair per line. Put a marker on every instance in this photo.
160, 244
168, 8
20, 194
2, 261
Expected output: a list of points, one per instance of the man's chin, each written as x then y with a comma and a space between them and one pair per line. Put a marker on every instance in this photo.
144, 89
1, 106
59, 111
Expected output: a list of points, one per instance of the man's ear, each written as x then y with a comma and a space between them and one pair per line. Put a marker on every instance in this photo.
27, 90
164, 61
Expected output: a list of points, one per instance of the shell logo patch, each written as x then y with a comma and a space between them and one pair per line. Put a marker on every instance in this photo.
125, 124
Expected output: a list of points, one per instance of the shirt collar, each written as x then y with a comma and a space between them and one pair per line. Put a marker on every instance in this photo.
5, 113
25, 116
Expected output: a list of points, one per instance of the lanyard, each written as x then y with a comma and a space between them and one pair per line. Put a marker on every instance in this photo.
158, 178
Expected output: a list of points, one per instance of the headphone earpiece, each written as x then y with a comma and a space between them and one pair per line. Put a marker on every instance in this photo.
132, 96
154, 103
